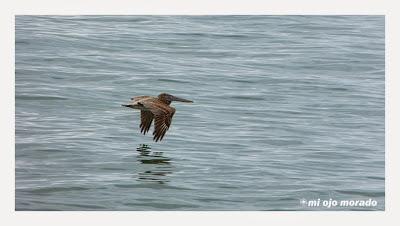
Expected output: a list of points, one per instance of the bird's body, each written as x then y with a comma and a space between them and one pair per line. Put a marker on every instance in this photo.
157, 109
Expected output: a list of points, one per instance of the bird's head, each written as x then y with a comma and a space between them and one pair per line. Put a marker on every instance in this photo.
168, 98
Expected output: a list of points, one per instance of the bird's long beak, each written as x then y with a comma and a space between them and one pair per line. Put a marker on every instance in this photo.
174, 98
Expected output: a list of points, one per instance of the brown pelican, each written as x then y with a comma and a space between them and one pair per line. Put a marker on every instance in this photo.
156, 108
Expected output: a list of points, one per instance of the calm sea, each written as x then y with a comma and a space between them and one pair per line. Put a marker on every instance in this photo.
286, 109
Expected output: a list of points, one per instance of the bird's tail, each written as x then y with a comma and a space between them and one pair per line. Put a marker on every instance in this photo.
126, 105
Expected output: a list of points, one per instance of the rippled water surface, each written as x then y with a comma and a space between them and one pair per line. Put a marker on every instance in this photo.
285, 108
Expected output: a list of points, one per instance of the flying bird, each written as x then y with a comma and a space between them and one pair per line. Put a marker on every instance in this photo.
156, 108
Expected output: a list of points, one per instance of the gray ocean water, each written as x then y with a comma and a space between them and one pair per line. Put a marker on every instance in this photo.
286, 108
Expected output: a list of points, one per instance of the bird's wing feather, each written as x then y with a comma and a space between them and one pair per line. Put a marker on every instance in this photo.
135, 100
162, 115
162, 119
160, 126
146, 120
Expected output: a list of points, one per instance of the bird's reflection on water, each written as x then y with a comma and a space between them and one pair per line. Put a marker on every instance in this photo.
156, 166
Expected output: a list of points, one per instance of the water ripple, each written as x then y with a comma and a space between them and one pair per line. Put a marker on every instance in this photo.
285, 107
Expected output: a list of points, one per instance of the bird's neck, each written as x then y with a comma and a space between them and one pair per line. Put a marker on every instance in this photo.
164, 100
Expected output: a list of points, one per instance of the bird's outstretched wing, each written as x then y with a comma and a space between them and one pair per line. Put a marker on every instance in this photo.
162, 115
162, 121
146, 120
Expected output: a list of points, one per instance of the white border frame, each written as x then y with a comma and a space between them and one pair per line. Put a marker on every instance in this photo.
198, 7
